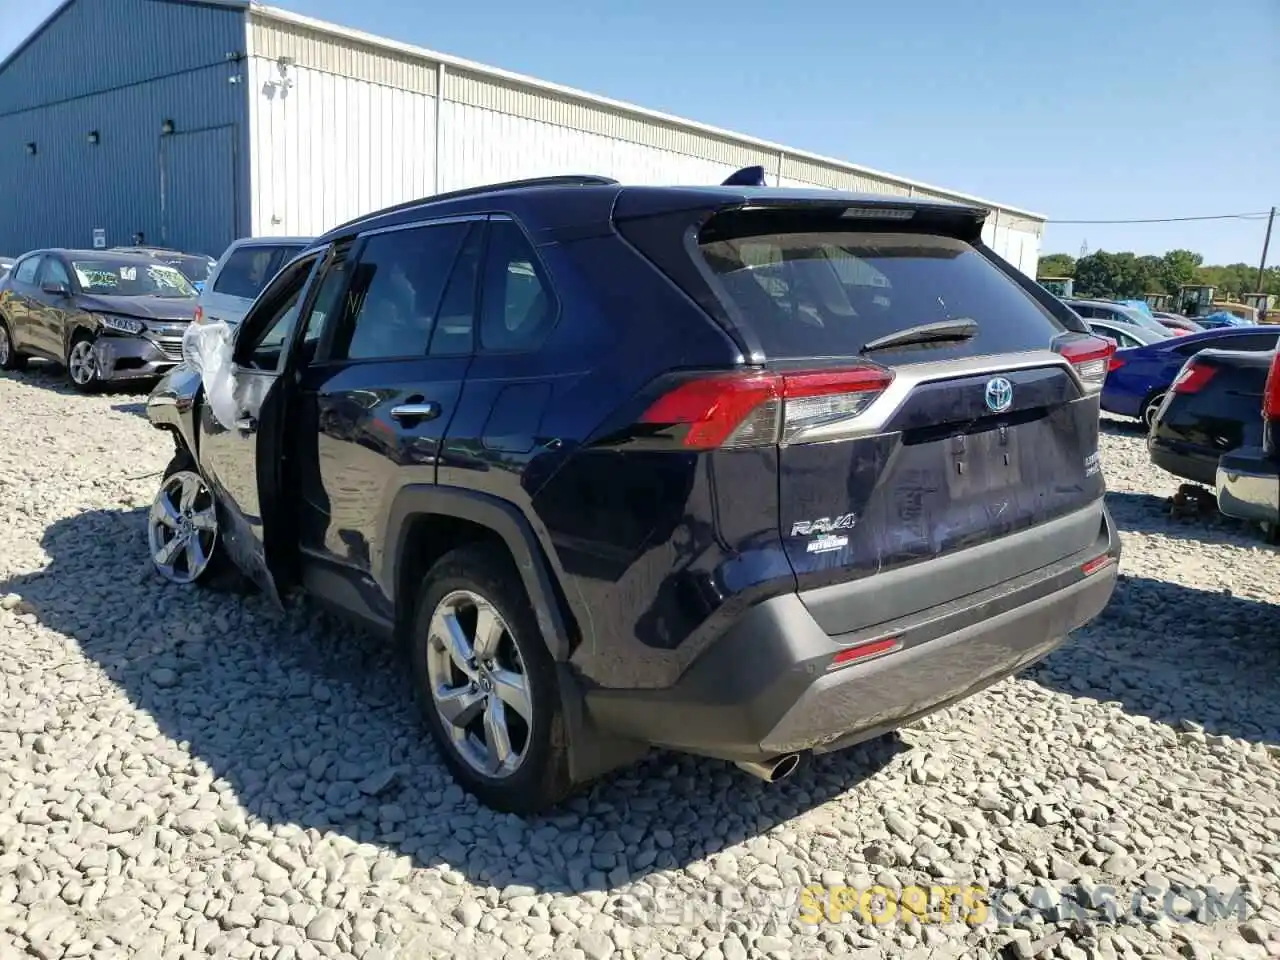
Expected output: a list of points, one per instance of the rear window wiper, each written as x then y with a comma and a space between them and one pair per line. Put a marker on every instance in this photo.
957, 331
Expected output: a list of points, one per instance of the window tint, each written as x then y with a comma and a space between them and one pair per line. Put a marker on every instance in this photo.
517, 306
249, 269
275, 318
825, 294
55, 272
456, 322
396, 290
25, 272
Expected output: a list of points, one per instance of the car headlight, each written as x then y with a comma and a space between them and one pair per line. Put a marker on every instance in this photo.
122, 324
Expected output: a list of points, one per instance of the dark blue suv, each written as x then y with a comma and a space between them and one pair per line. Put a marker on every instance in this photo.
733, 470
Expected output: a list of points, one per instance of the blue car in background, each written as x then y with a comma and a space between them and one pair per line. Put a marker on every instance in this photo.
1222, 319
1139, 377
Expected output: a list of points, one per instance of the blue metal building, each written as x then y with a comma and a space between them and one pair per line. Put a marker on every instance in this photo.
125, 117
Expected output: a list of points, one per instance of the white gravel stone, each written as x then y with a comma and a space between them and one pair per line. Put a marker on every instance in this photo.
187, 773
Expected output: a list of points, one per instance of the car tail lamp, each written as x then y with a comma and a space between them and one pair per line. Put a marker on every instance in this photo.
1191, 378
756, 408
1091, 358
1271, 393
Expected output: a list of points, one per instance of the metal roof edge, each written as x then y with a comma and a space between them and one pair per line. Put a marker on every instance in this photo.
61, 8
324, 26
44, 25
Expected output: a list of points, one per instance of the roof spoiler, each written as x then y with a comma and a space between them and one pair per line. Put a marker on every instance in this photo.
746, 177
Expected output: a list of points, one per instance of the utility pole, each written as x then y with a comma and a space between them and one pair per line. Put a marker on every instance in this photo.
1266, 242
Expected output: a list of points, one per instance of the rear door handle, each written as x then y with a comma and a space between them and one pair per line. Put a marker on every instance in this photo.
416, 411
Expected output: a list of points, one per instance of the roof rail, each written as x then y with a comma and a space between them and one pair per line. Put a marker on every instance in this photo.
564, 180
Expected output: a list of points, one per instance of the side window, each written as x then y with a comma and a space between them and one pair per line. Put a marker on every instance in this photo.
328, 301
25, 271
455, 326
395, 293
247, 271
268, 327
517, 308
54, 272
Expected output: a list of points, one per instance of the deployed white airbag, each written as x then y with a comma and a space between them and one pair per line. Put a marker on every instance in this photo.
207, 348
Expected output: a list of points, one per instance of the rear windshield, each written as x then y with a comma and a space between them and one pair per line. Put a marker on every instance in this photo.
249, 268
826, 294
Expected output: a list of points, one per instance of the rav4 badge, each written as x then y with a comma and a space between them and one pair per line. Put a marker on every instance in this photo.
805, 528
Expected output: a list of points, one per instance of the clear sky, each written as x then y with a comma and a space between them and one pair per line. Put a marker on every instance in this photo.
1097, 110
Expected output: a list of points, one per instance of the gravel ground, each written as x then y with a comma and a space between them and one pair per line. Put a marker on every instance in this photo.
185, 774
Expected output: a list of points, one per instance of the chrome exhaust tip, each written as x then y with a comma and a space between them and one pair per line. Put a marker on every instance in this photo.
771, 771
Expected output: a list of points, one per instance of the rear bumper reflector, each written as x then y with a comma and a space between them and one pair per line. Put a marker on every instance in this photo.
872, 648
1096, 564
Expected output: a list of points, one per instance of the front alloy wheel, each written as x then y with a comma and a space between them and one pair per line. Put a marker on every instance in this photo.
82, 364
182, 528
478, 684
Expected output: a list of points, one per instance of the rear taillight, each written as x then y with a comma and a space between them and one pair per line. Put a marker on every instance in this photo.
1115, 363
1271, 393
1091, 359
753, 408
1191, 378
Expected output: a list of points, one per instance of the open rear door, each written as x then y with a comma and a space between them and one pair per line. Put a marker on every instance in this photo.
239, 425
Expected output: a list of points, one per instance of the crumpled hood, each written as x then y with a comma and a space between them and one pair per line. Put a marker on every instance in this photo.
144, 308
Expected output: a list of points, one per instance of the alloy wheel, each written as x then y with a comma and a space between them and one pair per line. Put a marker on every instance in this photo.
479, 685
182, 527
81, 363
6, 348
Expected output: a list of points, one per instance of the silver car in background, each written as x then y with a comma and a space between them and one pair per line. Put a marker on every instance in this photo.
241, 272
1129, 334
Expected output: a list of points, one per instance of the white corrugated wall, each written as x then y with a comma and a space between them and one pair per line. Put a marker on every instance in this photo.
349, 125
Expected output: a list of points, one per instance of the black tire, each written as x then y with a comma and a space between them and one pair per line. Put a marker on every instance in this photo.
92, 384
542, 778
10, 359
219, 573
1150, 408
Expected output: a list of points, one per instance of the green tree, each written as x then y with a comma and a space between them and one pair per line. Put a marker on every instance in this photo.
1122, 276
1180, 267
1125, 275
1057, 265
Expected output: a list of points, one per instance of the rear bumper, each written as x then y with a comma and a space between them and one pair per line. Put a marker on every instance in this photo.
135, 358
1187, 462
1248, 485
767, 687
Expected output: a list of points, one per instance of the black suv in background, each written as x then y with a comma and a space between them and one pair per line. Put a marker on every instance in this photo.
738, 471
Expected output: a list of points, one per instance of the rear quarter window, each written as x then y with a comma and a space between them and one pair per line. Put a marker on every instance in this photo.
826, 294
